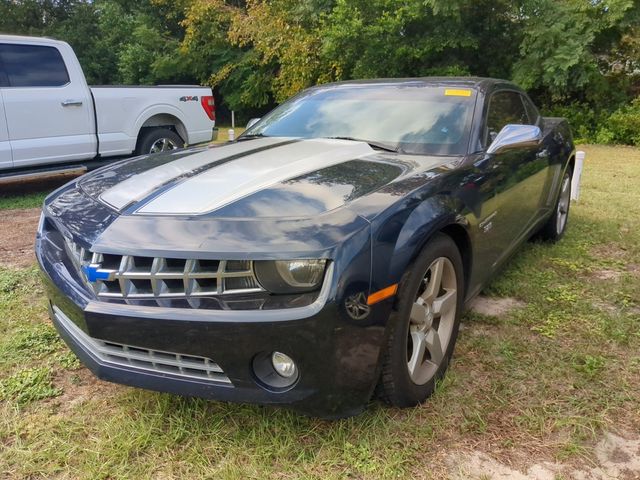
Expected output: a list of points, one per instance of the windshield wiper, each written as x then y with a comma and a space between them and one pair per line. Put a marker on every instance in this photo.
250, 137
380, 146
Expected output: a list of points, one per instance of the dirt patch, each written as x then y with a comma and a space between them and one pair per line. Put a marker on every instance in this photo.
634, 269
494, 307
609, 250
615, 457
78, 387
605, 307
606, 274
17, 234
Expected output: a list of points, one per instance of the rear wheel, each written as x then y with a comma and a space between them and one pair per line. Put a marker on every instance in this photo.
424, 325
554, 228
156, 140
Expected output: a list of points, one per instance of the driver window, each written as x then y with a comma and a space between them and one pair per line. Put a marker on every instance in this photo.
504, 108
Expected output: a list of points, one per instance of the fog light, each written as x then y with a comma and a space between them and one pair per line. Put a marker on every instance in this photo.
275, 371
283, 364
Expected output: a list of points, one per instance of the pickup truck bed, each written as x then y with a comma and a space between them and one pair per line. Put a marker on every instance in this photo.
148, 107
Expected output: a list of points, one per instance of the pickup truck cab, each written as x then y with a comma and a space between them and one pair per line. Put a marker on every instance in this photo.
49, 116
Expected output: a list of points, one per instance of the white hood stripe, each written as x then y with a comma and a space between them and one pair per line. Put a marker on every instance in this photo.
143, 184
227, 183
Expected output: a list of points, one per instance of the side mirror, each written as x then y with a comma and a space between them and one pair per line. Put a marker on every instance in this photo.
512, 136
252, 122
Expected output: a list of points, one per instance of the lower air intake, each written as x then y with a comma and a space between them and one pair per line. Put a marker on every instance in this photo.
175, 364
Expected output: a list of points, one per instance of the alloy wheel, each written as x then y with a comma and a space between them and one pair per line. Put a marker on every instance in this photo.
563, 204
432, 319
162, 145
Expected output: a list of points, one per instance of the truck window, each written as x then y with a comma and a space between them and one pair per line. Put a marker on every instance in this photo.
33, 66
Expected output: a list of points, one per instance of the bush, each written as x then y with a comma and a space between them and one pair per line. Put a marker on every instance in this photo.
622, 126
582, 118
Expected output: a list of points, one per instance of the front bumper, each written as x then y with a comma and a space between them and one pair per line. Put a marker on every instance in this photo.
337, 357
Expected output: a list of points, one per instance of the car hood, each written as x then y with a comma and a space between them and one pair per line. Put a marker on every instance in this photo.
270, 195
267, 177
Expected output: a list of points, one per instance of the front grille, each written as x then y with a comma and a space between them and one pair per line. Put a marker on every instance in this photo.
186, 366
129, 277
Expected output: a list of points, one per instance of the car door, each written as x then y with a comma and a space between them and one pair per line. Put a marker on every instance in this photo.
517, 170
542, 174
48, 116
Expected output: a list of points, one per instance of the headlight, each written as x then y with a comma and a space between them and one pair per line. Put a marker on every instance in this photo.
290, 276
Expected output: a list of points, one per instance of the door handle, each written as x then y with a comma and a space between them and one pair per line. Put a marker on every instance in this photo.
71, 103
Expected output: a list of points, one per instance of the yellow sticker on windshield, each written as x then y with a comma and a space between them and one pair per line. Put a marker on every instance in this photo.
457, 93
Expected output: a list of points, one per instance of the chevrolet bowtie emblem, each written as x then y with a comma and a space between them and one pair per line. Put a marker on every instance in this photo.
95, 272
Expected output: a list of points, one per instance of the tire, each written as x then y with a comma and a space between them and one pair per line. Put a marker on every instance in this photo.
556, 225
155, 140
409, 377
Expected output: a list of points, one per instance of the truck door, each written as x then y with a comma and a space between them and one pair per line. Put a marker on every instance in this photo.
48, 110
5, 146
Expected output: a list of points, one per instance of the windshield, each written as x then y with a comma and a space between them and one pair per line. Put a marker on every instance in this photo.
411, 117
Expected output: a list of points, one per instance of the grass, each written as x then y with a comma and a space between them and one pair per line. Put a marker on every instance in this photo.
223, 133
10, 200
541, 382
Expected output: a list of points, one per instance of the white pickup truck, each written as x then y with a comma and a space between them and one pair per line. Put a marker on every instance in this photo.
50, 117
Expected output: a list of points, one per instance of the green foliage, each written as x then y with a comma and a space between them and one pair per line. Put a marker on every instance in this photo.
622, 126
581, 116
579, 59
28, 385
588, 365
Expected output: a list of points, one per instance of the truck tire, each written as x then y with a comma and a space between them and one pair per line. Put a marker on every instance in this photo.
156, 140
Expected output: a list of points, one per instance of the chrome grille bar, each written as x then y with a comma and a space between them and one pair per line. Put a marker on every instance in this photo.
130, 277
181, 365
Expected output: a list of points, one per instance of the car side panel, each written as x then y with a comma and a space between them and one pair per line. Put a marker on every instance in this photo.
463, 198
402, 235
499, 207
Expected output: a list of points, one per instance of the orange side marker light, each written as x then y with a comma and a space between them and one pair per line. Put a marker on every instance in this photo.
382, 294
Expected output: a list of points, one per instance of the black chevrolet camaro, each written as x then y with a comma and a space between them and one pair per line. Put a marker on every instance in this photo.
328, 250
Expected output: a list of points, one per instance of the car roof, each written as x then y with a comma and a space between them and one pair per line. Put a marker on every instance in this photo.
478, 83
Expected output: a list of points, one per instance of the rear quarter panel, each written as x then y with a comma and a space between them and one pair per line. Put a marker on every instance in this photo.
122, 111
558, 141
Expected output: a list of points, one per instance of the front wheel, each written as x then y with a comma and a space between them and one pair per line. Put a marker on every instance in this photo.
424, 324
554, 228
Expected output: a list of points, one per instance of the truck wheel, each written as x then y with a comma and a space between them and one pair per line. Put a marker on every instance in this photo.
158, 140
554, 228
424, 325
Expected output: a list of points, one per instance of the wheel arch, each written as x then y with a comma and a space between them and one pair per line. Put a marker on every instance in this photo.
572, 161
433, 216
460, 236
164, 120
161, 116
